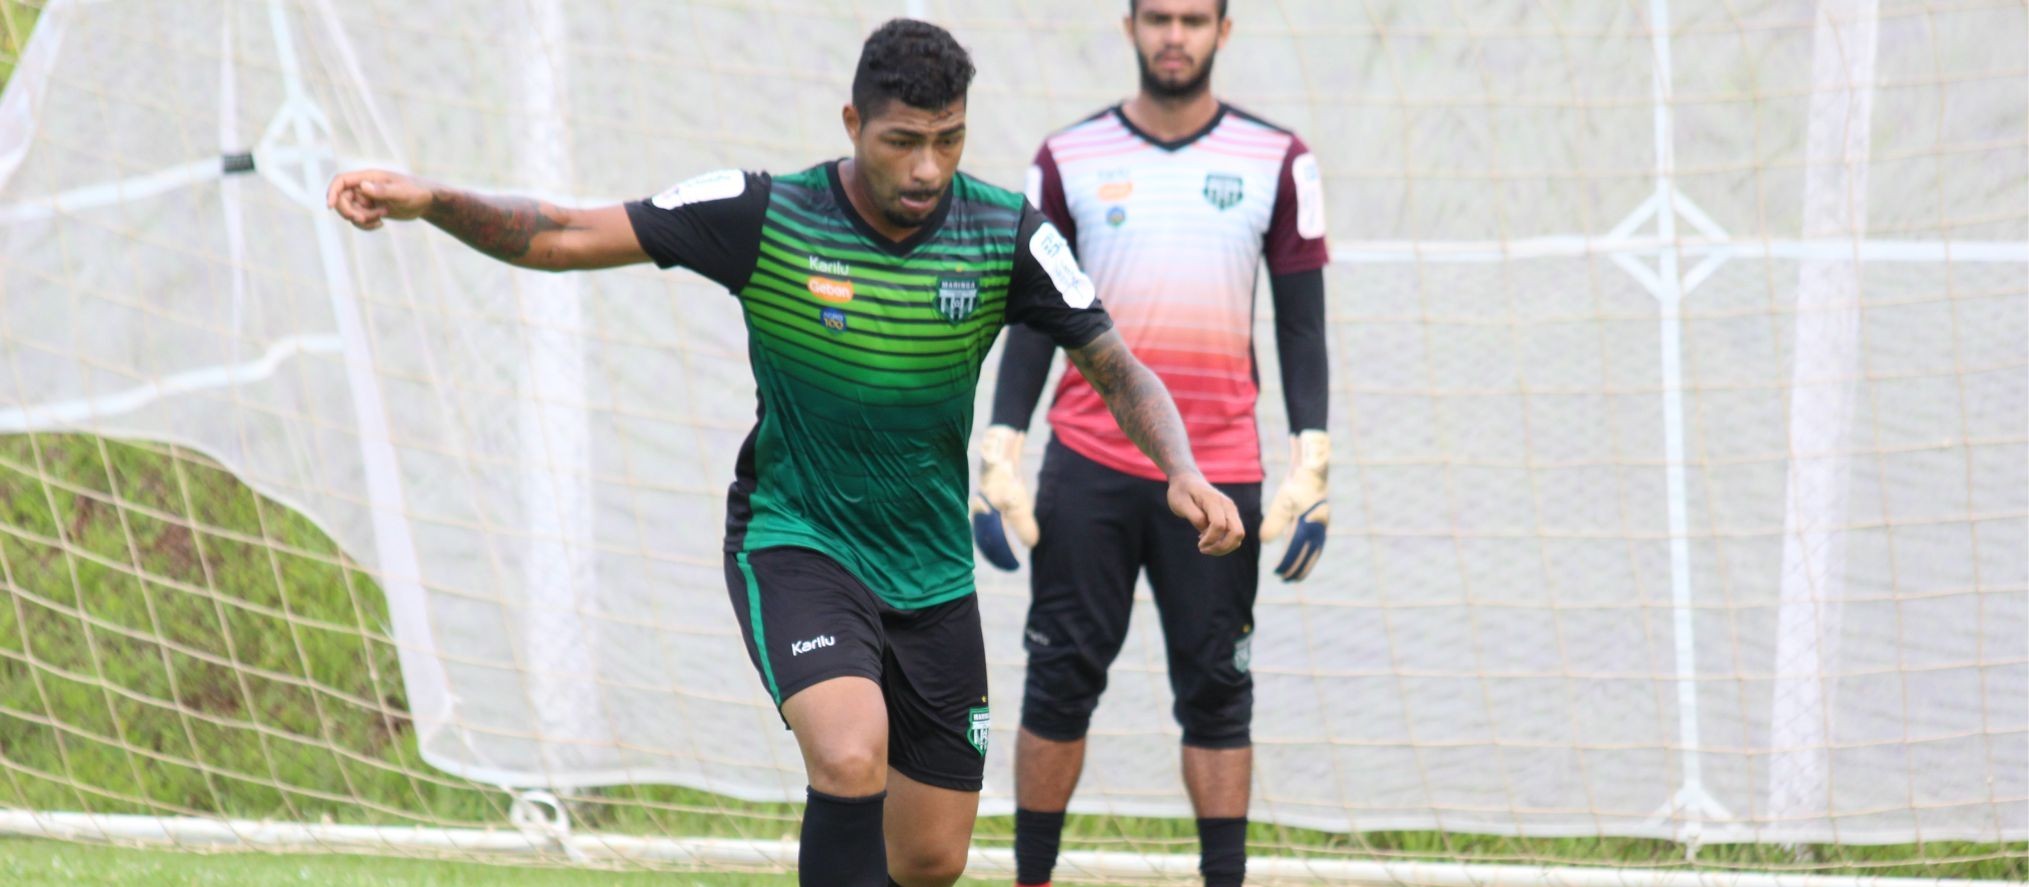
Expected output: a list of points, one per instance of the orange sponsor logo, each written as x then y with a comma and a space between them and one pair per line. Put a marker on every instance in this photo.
1116, 190
831, 290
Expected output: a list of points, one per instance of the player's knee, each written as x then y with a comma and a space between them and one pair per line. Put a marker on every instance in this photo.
926, 866
847, 768
1216, 714
1060, 695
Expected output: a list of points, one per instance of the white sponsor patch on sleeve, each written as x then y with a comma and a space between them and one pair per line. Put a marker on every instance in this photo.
717, 185
1054, 254
1309, 197
1035, 185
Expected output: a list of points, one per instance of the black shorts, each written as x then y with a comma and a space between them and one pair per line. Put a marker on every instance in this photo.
1100, 529
807, 619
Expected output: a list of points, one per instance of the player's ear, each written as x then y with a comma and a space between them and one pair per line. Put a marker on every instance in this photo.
851, 116
1225, 31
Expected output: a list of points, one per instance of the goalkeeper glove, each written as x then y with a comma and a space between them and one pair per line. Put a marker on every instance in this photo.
1002, 503
1300, 502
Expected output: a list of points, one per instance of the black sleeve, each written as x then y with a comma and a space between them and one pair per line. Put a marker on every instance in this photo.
710, 224
1300, 344
1024, 368
1047, 290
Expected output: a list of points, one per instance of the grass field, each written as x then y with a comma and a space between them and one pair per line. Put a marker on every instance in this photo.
172, 643
47, 864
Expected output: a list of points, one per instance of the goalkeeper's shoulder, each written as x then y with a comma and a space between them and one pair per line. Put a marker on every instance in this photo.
1251, 120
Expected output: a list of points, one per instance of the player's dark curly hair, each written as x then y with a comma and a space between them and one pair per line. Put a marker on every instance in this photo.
1134, 6
915, 62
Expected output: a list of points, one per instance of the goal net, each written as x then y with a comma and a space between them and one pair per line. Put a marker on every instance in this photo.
1680, 401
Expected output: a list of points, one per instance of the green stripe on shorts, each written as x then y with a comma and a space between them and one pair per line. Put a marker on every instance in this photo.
754, 619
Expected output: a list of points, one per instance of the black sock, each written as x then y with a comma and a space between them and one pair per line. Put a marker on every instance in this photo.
1036, 837
842, 842
1222, 857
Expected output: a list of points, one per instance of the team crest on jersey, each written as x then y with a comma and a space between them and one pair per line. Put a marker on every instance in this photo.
1223, 190
977, 728
957, 295
833, 319
1116, 216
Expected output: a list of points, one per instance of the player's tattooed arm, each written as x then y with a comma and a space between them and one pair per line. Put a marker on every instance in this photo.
501, 227
517, 230
1145, 411
1138, 400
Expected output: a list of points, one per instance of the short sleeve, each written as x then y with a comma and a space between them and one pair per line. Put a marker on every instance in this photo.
1296, 231
1048, 291
1046, 191
710, 224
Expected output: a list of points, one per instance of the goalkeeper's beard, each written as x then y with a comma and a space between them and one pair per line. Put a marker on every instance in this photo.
1167, 91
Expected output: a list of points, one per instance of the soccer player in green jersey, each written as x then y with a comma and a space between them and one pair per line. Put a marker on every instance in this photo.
872, 288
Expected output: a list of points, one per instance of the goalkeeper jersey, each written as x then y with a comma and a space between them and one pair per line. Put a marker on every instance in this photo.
866, 353
1174, 234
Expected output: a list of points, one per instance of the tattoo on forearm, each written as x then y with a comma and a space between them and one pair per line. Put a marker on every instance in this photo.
1139, 402
501, 227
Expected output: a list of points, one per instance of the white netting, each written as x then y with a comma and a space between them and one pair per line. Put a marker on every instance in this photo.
1680, 388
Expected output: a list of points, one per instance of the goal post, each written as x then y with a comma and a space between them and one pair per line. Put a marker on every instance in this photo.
1680, 391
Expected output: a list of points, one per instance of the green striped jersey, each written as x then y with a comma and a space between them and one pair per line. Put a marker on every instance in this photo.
866, 353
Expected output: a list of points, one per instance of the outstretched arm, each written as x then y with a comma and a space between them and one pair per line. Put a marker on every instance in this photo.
518, 230
1146, 413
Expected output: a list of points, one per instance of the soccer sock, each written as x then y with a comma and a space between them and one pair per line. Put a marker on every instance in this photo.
1036, 838
842, 842
1222, 857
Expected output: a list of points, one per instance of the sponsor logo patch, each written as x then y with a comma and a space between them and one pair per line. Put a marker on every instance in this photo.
1309, 197
834, 320
1114, 191
1224, 190
817, 643
831, 290
717, 185
1054, 254
832, 267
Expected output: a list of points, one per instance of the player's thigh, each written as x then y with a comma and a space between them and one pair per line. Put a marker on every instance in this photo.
841, 727
929, 829
936, 693
1082, 572
1206, 605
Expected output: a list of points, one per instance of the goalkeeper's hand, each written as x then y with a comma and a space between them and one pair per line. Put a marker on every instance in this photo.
1002, 503
1300, 503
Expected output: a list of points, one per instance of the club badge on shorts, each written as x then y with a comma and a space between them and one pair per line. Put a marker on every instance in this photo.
976, 731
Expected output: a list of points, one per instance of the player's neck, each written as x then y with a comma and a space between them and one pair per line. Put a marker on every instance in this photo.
863, 203
1167, 119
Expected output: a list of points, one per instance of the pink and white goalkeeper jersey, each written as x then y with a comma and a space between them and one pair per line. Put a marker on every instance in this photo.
1173, 235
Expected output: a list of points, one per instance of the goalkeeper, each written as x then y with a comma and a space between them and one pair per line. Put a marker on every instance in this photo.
1172, 201
872, 288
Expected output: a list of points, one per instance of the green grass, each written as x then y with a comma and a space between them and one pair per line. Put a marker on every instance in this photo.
40, 863
16, 20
